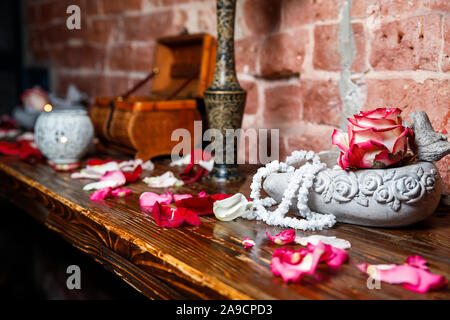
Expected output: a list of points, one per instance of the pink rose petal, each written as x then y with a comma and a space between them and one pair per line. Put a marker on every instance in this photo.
177, 197
100, 194
340, 139
148, 199
248, 243
293, 265
283, 237
417, 262
413, 275
121, 192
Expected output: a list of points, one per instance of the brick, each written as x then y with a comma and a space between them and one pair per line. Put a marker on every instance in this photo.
252, 104
57, 10
282, 105
326, 48
101, 31
321, 103
384, 8
408, 44
36, 44
431, 96
446, 53
443, 5
308, 137
246, 51
282, 54
94, 85
207, 19
84, 56
130, 57
262, 16
296, 13
119, 6
94, 7
151, 26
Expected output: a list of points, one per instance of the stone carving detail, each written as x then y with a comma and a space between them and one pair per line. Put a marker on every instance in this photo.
387, 188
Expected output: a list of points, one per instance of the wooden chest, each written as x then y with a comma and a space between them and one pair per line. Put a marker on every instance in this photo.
184, 68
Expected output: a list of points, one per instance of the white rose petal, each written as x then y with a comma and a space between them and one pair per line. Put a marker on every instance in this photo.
163, 181
333, 241
231, 208
181, 162
103, 184
208, 165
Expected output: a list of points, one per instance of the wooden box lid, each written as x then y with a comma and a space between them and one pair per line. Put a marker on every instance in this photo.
185, 68
184, 63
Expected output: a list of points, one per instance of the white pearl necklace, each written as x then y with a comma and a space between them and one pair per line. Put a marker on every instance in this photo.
299, 184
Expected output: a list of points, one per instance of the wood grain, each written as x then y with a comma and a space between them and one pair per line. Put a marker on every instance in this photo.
209, 261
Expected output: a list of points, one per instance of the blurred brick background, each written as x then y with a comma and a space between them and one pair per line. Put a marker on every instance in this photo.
286, 50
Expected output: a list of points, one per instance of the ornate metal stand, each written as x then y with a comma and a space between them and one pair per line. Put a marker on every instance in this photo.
225, 99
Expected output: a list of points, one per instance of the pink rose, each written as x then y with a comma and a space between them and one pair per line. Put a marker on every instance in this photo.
375, 139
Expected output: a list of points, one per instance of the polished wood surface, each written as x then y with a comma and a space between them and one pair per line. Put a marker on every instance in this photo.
209, 261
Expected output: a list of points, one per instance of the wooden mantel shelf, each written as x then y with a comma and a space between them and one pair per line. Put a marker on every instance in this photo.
209, 261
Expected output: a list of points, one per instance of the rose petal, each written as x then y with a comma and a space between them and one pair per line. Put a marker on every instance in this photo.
148, 199
283, 237
361, 122
121, 192
100, 194
130, 165
165, 180
208, 165
417, 262
202, 194
85, 175
182, 161
413, 276
178, 197
385, 137
201, 205
133, 176
385, 159
191, 217
248, 243
148, 165
340, 139
315, 239
167, 217
362, 155
104, 168
9, 148
293, 265
192, 173
401, 144
383, 113
332, 256
230, 208
103, 184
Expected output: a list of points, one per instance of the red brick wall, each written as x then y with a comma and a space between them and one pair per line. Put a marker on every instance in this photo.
286, 50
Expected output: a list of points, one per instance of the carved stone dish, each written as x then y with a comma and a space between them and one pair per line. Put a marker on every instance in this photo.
373, 197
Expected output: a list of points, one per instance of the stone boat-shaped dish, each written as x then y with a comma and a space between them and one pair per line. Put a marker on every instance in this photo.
390, 197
